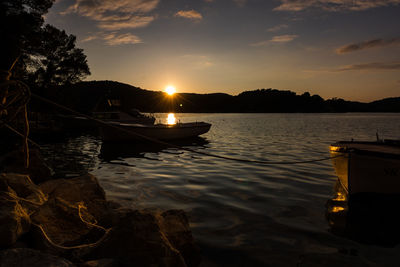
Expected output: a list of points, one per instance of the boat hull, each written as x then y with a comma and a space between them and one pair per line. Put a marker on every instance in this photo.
135, 132
369, 168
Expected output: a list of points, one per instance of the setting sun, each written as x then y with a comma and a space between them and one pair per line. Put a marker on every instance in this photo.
170, 90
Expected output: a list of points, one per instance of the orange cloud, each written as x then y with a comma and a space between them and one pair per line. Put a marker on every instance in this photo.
277, 39
115, 14
189, 14
113, 38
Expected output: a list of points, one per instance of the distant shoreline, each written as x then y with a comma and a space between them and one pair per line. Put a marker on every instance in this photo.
89, 96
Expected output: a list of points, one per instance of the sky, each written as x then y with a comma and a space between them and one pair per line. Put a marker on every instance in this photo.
334, 48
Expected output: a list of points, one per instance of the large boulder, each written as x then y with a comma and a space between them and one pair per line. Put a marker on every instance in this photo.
14, 219
23, 186
84, 189
70, 216
18, 198
136, 240
175, 225
25, 257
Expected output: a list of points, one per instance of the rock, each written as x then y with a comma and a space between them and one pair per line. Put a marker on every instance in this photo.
101, 263
67, 218
175, 224
24, 188
38, 171
85, 189
14, 218
136, 240
25, 257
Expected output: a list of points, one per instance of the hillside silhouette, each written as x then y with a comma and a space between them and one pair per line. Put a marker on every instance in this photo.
95, 95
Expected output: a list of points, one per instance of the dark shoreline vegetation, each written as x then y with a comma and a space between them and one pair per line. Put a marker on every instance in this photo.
90, 95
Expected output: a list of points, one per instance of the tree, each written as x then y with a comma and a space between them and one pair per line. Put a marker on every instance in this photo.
21, 22
47, 55
58, 61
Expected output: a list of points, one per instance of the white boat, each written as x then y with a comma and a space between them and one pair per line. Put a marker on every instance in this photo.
132, 116
79, 122
115, 131
368, 167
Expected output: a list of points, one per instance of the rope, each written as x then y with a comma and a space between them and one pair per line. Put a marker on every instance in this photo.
16, 99
93, 224
179, 147
26, 134
18, 133
70, 247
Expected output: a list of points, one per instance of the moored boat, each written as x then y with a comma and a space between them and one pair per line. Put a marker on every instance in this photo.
81, 123
117, 132
368, 167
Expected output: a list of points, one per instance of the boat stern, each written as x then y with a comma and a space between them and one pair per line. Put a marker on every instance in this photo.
340, 159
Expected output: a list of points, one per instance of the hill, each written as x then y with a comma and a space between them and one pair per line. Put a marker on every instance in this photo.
96, 95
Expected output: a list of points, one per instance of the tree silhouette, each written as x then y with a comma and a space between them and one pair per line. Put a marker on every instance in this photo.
21, 22
47, 55
58, 61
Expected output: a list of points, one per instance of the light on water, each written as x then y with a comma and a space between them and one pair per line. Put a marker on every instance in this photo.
171, 119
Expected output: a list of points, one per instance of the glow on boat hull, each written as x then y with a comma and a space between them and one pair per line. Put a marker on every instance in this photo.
135, 132
371, 167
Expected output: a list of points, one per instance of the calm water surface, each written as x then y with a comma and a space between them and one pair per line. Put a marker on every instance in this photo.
243, 214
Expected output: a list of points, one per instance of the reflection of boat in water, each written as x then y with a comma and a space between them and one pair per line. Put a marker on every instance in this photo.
368, 166
112, 151
370, 218
134, 132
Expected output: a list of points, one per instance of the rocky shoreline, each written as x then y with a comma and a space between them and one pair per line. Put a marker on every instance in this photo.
69, 222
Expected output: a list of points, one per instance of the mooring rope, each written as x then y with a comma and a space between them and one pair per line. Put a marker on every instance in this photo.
180, 147
8, 126
15, 95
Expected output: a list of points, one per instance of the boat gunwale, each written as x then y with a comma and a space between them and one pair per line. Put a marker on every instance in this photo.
344, 147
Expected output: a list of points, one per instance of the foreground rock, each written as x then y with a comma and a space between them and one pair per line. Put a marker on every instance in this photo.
14, 215
146, 245
72, 218
25, 257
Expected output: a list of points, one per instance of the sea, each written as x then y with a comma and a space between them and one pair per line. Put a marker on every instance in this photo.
251, 214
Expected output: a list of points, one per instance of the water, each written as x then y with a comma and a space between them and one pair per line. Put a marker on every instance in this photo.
243, 214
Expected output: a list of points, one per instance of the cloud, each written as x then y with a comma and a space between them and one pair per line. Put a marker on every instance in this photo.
113, 38
133, 22
115, 14
277, 39
120, 39
278, 28
372, 66
90, 38
189, 14
375, 43
334, 5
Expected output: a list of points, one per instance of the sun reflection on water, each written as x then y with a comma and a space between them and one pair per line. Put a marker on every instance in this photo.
171, 118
